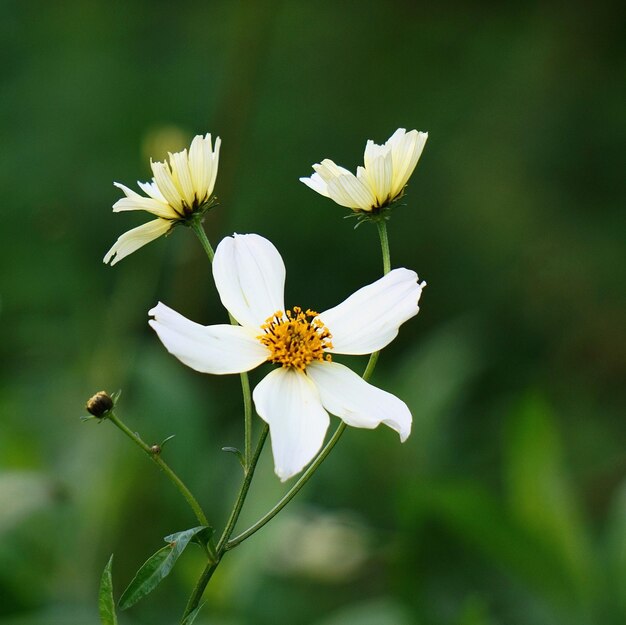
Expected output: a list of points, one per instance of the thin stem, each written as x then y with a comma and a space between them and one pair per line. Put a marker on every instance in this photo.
222, 545
156, 458
198, 591
243, 491
247, 416
196, 225
304, 478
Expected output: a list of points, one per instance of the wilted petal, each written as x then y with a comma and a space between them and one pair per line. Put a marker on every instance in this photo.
370, 318
217, 349
132, 240
250, 278
357, 403
289, 402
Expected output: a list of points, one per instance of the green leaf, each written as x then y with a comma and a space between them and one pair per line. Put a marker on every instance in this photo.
192, 617
157, 567
106, 605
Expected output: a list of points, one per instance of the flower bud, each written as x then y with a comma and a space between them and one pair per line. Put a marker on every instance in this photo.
99, 404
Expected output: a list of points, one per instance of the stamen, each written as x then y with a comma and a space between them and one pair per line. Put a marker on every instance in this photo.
296, 338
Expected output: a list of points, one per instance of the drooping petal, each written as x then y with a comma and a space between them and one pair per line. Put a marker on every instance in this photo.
325, 171
217, 349
132, 240
357, 403
370, 318
316, 182
133, 202
250, 278
289, 402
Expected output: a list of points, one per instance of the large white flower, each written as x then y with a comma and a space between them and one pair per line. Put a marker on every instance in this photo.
178, 190
296, 398
381, 182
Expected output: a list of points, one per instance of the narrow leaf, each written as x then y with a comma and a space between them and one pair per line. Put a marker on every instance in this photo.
234, 450
192, 617
157, 567
106, 605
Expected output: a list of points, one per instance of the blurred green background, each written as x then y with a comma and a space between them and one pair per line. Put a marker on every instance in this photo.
508, 503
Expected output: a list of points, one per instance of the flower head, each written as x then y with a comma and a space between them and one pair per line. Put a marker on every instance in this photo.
381, 182
295, 398
179, 190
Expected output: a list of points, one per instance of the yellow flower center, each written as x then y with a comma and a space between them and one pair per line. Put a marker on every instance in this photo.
296, 338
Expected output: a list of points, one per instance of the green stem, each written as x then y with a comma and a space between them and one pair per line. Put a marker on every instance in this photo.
199, 230
381, 224
196, 225
198, 591
304, 478
156, 458
243, 492
222, 544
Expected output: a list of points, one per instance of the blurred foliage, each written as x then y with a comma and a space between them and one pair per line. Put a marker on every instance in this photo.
508, 503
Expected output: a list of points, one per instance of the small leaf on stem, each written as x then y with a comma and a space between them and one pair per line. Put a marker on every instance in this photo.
157, 567
234, 450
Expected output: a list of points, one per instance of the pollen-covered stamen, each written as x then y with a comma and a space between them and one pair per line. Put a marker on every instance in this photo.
296, 338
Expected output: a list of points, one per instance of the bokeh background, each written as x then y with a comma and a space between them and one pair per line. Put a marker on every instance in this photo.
508, 503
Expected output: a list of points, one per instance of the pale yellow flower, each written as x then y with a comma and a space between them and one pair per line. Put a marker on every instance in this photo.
381, 182
179, 190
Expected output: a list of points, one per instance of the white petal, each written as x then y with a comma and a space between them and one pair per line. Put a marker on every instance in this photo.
288, 401
215, 349
370, 318
380, 172
328, 170
352, 192
250, 278
316, 182
197, 163
215, 160
357, 403
151, 189
133, 202
406, 150
132, 240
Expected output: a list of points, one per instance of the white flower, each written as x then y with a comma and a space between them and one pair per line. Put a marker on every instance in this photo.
296, 398
381, 182
178, 190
